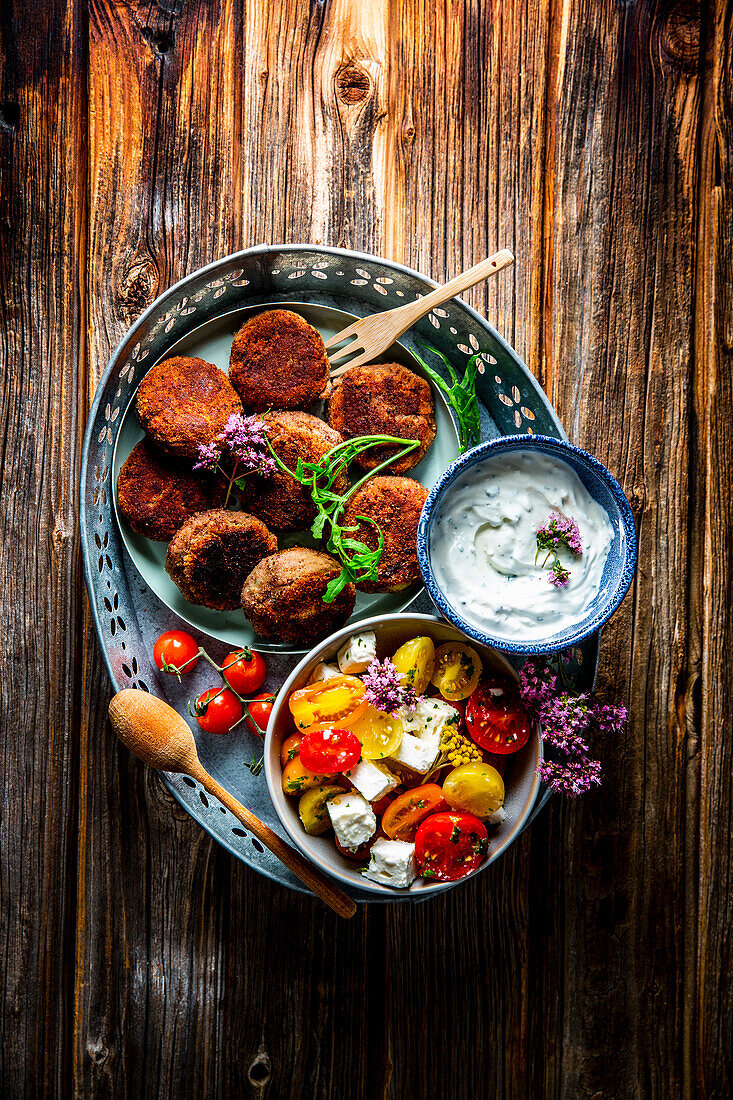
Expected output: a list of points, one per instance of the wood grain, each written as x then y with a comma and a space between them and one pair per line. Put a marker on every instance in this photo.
42, 371
141, 140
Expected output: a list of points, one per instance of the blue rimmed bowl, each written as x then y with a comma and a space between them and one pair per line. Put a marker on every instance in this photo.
618, 571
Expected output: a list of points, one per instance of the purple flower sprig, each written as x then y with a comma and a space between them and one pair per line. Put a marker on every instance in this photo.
384, 687
239, 450
567, 720
558, 531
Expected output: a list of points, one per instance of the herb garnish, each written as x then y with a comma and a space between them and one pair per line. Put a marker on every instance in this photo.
358, 561
257, 763
558, 531
461, 396
240, 446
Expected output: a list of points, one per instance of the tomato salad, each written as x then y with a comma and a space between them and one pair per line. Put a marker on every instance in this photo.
405, 775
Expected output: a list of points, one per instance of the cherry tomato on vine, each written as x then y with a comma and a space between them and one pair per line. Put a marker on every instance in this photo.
173, 650
495, 717
223, 710
450, 845
244, 670
260, 710
330, 750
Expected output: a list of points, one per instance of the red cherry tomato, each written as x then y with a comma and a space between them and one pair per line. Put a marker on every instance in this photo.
245, 671
496, 761
223, 710
330, 750
450, 845
495, 717
401, 819
174, 650
386, 800
260, 710
360, 854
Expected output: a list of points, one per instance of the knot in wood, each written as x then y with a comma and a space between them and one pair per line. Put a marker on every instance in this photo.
9, 116
138, 286
352, 83
680, 36
260, 1070
161, 41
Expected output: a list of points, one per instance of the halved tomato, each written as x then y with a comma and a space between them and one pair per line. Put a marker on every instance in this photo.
360, 854
402, 817
338, 701
456, 671
496, 718
331, 750
290, 748
386, 801
450, 845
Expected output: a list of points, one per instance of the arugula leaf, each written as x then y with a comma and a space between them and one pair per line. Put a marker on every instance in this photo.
358, 561
461, 396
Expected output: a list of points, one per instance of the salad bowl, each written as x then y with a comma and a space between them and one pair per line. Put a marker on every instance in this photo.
392, 631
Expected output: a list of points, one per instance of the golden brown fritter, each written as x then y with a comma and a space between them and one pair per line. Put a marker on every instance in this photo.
395, 503
383, 399
278, 361
214, 552
182, 403
156, 495
282, 502
283, 596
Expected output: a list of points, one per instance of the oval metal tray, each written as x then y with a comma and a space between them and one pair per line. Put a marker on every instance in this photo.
129, 617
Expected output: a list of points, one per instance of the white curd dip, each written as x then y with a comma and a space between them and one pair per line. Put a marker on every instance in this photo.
484, 543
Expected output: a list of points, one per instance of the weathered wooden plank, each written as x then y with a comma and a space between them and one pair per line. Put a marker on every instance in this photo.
596, 143
42, 366
619, 319
197, 953
707, 703
469, 132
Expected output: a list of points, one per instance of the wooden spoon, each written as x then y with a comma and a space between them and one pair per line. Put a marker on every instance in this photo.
160, 737
374, 334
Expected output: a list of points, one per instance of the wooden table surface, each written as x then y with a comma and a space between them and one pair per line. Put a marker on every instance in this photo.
139, 141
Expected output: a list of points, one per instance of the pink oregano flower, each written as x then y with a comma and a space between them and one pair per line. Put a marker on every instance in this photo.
384, 687
567, 721
558, 531
243, 439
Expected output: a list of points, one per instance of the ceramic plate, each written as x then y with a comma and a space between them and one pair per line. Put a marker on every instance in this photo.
212, 341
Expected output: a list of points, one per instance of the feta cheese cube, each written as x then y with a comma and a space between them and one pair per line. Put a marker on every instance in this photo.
358, 653
497, 817
418, 753
428, 716
324, 671
353, 819
372, 781
392, 863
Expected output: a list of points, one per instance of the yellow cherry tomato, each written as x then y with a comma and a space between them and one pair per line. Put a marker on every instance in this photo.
415, 660
338, 701
380, 733
290, 748
297, 779
312, 808
476, 788
457, 671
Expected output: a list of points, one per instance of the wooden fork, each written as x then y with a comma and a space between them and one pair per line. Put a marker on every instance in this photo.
374, 334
